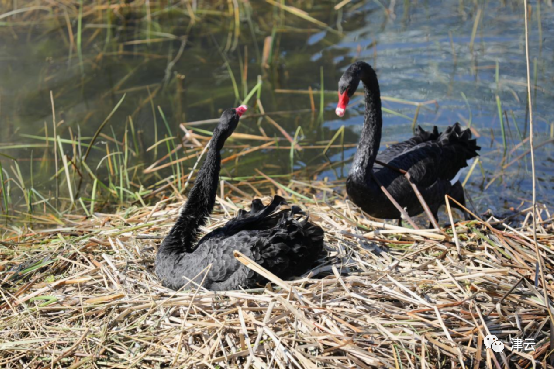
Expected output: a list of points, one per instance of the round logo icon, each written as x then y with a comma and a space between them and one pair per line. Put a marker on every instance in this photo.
492, 342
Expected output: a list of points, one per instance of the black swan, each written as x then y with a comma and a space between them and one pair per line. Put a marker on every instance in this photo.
277, 240
432, 159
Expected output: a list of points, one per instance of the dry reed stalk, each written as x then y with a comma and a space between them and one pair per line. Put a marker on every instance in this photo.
403, 213
449, 211
416, 191
96, 275
411, 304
283, 132
540, 262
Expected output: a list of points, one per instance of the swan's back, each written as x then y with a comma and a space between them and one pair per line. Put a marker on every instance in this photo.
277, 240
421, 136
433, 160
430, 156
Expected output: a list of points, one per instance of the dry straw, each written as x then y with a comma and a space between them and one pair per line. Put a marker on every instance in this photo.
85, 295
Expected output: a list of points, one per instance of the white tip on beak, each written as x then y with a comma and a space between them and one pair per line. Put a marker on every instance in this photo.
241, 110
340, 112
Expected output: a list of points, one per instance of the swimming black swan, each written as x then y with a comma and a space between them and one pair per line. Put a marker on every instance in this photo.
432, 159
278, 241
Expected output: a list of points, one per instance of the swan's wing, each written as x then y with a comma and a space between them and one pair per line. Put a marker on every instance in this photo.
263, 247
278, 241
397, 149
440, 159
259, 217
287, 250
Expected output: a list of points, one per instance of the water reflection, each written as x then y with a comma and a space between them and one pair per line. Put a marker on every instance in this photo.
467, 56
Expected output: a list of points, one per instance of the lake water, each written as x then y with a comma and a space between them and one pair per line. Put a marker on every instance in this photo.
184, 62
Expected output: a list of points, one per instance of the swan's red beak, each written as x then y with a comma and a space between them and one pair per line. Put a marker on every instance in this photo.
241, 110
343, 101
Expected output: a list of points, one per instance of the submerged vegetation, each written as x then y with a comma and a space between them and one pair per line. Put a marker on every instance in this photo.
114, 100
106, 108
129, 146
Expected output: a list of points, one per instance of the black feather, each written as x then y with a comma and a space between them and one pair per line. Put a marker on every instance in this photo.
432, 159
275, 239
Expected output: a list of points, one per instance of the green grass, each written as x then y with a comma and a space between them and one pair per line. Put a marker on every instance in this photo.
80, 38
4, 189
500, 117
321, 94
293, 145
172, 151
468, 109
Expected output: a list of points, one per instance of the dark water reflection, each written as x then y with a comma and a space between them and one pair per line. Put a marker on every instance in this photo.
421, 52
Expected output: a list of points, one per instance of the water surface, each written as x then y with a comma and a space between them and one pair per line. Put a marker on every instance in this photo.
168, 66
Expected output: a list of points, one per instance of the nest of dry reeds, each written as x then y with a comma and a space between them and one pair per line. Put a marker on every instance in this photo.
85, 295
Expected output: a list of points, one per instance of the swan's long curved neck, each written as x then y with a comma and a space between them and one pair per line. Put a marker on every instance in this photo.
370, 138
201, 199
